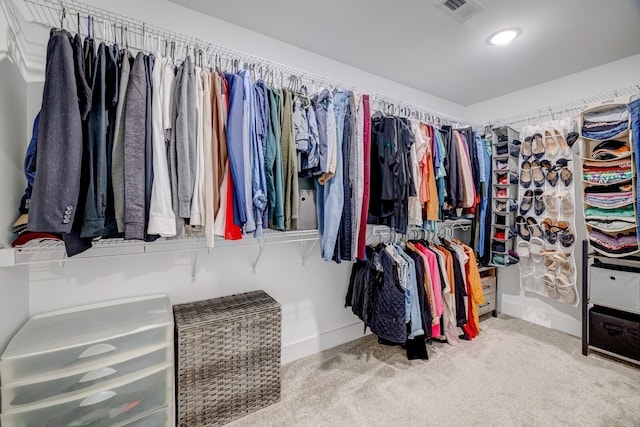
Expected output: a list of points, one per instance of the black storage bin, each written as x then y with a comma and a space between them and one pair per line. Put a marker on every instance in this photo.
615, 331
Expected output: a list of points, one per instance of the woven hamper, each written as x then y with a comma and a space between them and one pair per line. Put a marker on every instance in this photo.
227, 358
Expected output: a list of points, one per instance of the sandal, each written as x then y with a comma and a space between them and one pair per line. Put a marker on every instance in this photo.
524, 253
566, 237
523, 230
551, 144
566, 289
536, 174
527, 202
549, 172
566, 176
538, 151
566, 204
551, 201
566, 268
550, 231
525, 174
550, 261
565, 149
538, 202
536, 246
527, 148
534, 227
550, 285
523, 249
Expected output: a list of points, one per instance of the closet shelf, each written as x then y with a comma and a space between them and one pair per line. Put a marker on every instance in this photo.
54, 251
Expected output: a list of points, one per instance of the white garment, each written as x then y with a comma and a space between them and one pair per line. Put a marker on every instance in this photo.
208, 160
359, 182
162, 220
222, 212
166, 93
450, 330
417, 152
197, 201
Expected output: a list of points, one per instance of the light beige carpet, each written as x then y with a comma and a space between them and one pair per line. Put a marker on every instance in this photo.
514, 374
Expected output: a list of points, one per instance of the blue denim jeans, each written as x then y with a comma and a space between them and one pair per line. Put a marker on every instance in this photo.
331, 194
605, 133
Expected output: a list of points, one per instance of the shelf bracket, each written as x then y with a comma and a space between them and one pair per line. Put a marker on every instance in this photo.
194, 266
255, 262
307, 254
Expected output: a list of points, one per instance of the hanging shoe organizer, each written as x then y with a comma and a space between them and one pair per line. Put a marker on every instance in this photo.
546, 217
504, 195
609, 179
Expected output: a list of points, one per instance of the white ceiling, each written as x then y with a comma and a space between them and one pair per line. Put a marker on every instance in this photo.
414, 43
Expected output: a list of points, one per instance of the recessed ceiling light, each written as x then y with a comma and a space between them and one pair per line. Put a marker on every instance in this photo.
504, 37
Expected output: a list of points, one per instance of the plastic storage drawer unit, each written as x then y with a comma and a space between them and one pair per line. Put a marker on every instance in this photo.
108, 364
127, 399
79, 337
615, 331
16, 394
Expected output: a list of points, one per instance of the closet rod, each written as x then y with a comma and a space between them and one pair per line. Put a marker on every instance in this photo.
565, 109
395, 106
126, 31
140, 35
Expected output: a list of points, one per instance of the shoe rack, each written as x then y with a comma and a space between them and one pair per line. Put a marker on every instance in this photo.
504, 194
611, 220
546, 221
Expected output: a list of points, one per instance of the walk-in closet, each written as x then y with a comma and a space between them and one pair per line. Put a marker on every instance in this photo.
305, 214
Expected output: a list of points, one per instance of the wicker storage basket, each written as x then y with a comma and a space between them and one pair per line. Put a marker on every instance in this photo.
227, 358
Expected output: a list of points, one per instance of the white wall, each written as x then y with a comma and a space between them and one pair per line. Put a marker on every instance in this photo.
14, 287
609, 77
605, 78
312, 296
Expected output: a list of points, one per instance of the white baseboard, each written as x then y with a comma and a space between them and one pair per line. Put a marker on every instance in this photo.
324, 341
550, 319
